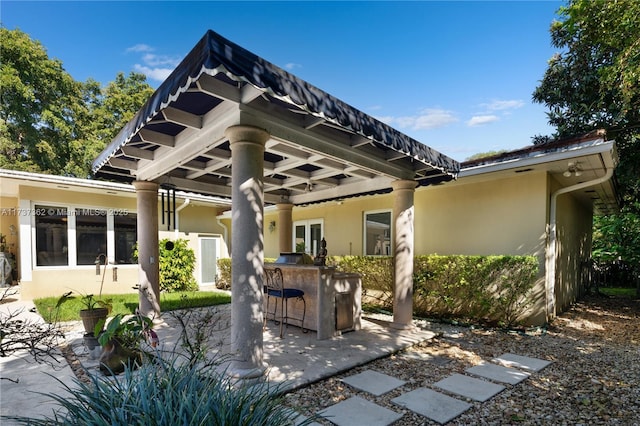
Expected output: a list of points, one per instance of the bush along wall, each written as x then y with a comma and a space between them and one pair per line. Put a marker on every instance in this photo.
491, 289
177, 263
494, 289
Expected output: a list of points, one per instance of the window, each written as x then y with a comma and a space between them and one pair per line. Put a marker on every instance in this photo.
377, 233
75, 236
125, 230
51, 236
91, 235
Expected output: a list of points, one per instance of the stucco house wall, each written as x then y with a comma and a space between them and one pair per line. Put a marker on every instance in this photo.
196, 221
574, 228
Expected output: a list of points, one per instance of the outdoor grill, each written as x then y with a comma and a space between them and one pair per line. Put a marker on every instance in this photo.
294, 259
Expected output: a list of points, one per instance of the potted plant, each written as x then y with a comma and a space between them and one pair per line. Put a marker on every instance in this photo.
95, 313
122, 341
96, 310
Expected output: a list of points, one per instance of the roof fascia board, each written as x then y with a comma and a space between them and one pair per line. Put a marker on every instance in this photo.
24, 177
65, 180
571, 152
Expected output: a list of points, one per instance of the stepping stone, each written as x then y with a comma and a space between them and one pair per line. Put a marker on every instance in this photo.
498, 373
476, 389
373, 382
357, 411
523, 362
434, 405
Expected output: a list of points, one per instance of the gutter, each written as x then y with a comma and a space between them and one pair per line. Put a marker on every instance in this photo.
551, 257
186, 202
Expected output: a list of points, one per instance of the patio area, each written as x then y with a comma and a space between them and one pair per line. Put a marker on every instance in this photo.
296, 360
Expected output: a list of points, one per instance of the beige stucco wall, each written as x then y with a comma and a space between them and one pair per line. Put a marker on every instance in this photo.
195, 221
574, 229
502, 216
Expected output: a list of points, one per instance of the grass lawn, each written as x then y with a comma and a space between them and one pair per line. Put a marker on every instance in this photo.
127, 303
618, 291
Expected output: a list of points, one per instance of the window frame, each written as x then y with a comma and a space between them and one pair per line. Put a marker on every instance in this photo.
387, 234
72, 249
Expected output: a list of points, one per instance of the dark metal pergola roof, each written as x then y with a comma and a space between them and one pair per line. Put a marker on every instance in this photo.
320, 147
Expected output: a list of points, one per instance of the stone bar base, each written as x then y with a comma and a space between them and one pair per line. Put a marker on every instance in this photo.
322, 287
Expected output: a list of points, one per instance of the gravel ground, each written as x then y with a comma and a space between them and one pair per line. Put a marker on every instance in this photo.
594, 378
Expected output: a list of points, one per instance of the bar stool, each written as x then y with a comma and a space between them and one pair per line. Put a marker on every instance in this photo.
274, 287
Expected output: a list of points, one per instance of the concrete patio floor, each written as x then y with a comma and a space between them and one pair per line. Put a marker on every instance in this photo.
293, 361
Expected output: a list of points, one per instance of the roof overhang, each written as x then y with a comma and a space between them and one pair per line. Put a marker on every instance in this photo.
320, 148
592, 155
11, 182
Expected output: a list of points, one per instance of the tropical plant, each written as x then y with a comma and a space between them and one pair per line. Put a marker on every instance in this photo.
167, 394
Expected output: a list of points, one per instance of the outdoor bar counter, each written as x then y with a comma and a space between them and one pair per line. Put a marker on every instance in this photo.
333, 298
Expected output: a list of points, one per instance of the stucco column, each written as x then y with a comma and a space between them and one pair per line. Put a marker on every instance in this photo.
403, 251
247, 249
285, 224
148, 250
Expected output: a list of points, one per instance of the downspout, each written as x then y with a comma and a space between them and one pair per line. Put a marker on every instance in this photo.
225, 236
550, 262
176, 229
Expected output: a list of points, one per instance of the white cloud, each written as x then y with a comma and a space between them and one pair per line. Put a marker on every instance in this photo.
292, 65
141, 47
154, 66
501, 105
479, 120
157, 60
159, 74
430, 118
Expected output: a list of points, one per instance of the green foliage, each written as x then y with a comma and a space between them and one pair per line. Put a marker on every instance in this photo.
223, 279
130, 331
595, 83
126, 304
487, 154
177, 266
487, 288
49, 122
376, 272
172, 393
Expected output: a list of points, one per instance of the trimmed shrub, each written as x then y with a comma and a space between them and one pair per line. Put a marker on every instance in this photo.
223, 279
490, 288
495, 289
176, 266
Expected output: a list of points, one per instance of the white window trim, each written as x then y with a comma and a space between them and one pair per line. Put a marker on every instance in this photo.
72, 257
364, 228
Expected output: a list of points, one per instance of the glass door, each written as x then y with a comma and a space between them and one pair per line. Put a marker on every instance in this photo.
209, 249
307, 235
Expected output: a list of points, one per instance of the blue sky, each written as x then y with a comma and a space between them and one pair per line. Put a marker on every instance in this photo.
455, 75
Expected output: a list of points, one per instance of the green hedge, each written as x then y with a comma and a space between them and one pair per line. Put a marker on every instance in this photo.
177, 264
486, 288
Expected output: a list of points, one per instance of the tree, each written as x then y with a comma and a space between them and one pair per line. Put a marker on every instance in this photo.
40, 104
594, 83
49, 122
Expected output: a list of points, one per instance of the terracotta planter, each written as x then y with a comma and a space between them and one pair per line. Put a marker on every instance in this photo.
90, 318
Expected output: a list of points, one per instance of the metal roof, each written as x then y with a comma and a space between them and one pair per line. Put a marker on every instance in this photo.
320, 148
